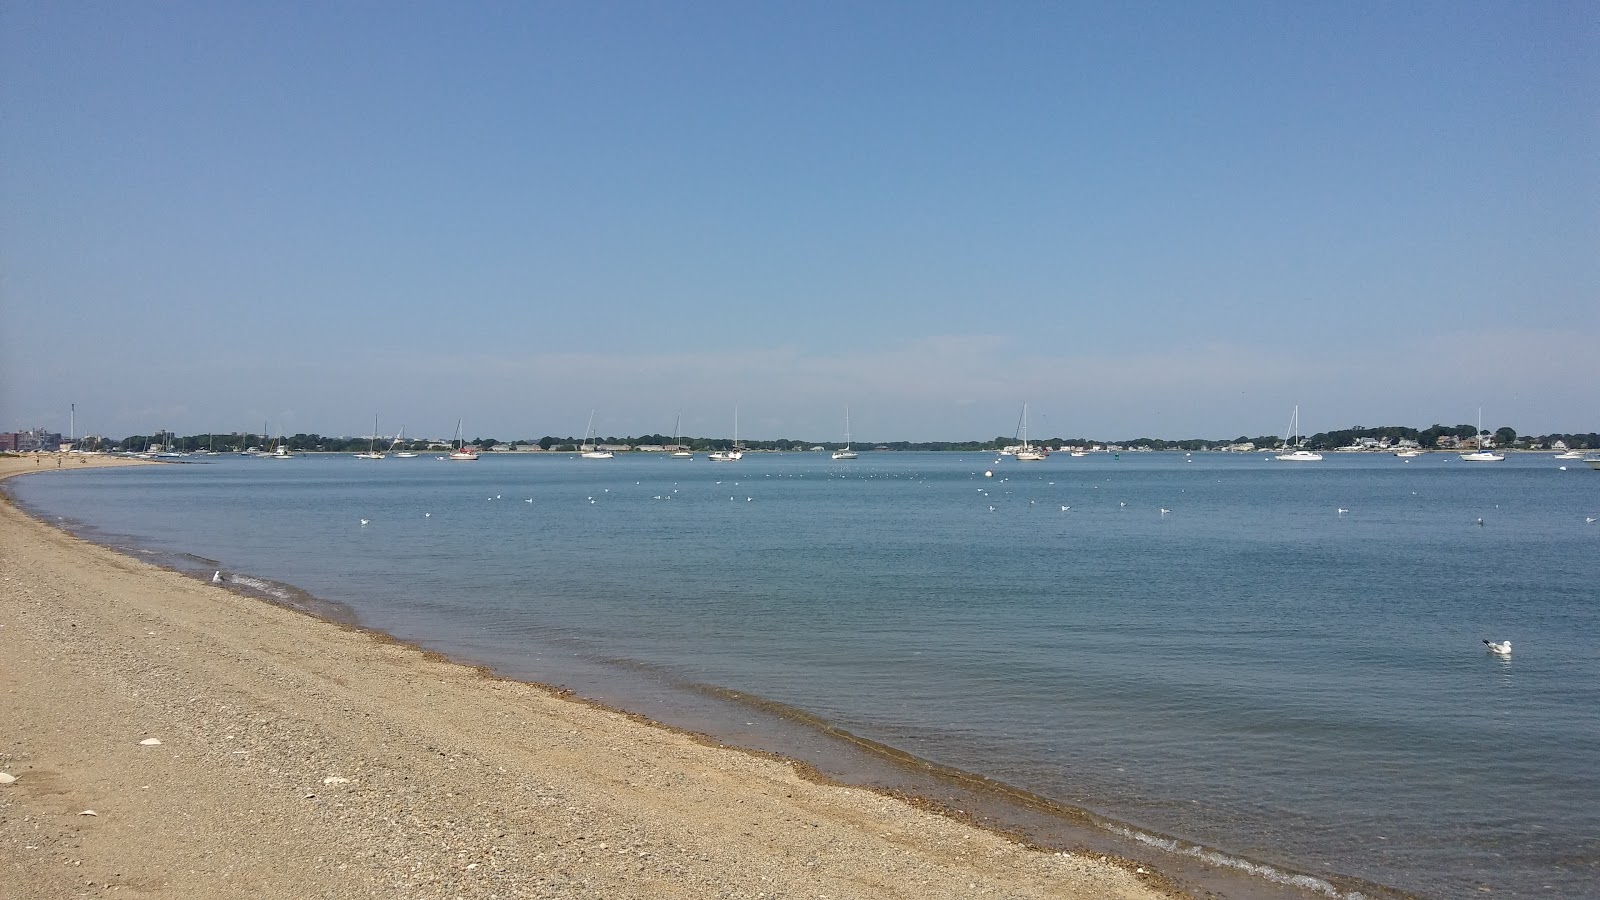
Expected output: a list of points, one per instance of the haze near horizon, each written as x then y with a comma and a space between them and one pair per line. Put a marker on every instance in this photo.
1154, 220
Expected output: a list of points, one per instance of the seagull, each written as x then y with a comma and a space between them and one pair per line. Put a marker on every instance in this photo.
1342, 510
1480, 522
1065, 508
363, 521
1588, 520
217, 578
1502, 648
1121, 503
529, 500
427, 515
1164, 510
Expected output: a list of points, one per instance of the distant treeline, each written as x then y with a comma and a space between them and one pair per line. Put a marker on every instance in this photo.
1327, 440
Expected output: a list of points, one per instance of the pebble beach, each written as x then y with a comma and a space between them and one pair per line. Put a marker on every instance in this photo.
166, 737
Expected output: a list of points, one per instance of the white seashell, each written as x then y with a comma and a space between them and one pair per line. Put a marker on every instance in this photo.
335, 779
7, 778
89, 812
150, 742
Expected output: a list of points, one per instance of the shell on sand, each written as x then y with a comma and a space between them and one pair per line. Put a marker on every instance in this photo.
89, 812
7, 778
150, 742
335, 779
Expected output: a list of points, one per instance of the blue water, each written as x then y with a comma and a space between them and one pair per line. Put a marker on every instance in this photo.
1253, 670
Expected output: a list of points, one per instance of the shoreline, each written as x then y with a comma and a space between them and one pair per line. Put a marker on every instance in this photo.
475, 686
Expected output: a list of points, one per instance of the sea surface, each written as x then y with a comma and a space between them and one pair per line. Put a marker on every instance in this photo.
1279, 662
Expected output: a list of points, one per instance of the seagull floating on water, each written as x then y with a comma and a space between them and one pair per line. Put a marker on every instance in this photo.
1342, 510
1499, 648
363, 521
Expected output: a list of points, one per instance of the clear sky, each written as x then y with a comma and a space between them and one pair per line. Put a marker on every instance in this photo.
1144, 219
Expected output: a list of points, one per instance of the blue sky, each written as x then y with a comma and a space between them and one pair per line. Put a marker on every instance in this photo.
1162, 219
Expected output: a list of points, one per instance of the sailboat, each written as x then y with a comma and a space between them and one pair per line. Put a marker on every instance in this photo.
400, 442
590, 451
1027, 452
734, 453
679, 453
462, 453
1482, 455
1292, 439
372, 446
846, 453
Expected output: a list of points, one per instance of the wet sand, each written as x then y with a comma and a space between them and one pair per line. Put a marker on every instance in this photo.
301, 758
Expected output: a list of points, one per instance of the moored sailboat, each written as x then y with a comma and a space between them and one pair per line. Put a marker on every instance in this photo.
846, 453
679, 452
1482, 454
1026, 452
1293, 452
372, 445
462, 453
734, 453
587, 449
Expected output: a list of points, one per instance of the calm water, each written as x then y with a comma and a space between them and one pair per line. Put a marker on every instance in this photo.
1253, 670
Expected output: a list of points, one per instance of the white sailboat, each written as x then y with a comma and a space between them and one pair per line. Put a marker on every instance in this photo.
679, 453
372, 446
462, 453
1482, 455
400, 442
1292, 440
1027, 452
734, 453
588, 449
846, 453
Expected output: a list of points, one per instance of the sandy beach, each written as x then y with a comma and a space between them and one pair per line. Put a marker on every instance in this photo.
299, 758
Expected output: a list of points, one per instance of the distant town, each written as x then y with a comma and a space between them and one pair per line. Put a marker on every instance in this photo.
1388, 438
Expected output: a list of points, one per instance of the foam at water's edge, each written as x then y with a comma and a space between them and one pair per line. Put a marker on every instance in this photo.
1222, 859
